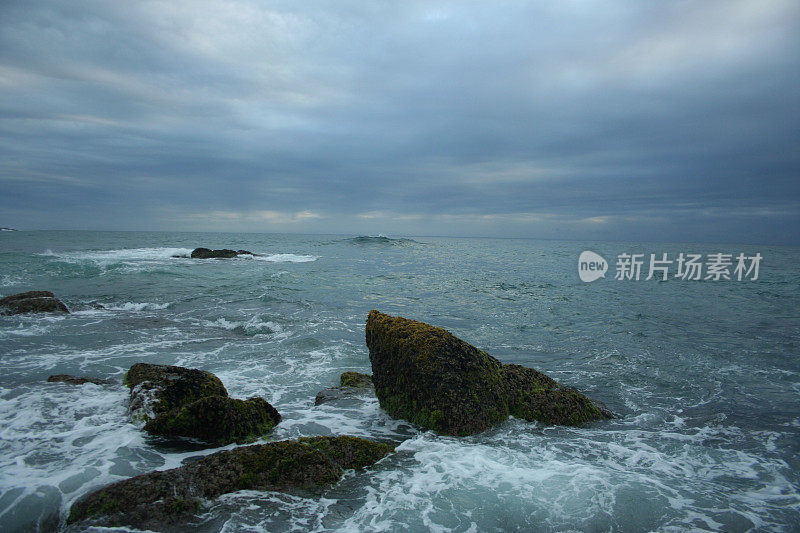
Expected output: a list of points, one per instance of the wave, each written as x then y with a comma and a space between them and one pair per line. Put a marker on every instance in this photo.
251, 328
284, 258
380, 240
119, 256
137, 306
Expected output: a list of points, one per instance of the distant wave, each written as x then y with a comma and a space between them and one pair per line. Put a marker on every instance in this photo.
120, 256
138, 255
380, 240
285, 258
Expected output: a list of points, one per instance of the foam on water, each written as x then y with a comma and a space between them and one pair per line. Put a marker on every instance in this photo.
284, 258
120, 256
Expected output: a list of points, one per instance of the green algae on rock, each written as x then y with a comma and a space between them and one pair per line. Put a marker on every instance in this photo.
352, 385
217, 420
161, 388
355, 379
160, 500
428, 376
175, 401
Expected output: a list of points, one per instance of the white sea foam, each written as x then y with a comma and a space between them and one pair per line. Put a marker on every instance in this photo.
137, 306
120, 256
285, 258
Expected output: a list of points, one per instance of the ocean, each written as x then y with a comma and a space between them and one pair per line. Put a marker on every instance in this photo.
704, 375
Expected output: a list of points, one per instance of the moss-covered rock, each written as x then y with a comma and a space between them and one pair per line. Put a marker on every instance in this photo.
77, 380
32, 302
432, 378
161, 388
218, 420
174, 401
428, 376
353, 385
355, 379
160, 500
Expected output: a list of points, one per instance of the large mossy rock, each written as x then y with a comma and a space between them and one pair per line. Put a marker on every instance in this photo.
32, 302
430, 377
160, 500
174, 401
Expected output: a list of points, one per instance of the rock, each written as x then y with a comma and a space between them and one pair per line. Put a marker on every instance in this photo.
157, 389
428, 376
353, 385
32, 302
74, 380
184, 402
355, 379
206, 253
160, 500
217, 420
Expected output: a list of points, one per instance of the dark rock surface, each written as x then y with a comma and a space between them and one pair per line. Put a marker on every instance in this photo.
32, 302
217, 420
76, 380
428, 376
160, 500
206, 253
353, 385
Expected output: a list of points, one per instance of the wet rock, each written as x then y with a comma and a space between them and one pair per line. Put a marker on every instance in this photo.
161, 500
428, 376
75, 380
158, 389
353, 385
184, 402
217, 420
206, 253
355, 379
32, 302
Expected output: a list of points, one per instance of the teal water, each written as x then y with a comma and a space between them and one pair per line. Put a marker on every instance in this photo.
704, 375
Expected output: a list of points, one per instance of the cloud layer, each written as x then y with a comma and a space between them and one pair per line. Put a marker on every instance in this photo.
607, 120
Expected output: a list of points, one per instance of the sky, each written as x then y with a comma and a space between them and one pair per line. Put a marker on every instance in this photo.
599, 120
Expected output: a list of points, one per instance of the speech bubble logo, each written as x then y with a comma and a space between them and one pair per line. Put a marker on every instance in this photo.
591, 266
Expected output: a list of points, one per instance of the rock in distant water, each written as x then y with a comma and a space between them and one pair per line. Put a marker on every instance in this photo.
160, 500
206, 253
353, 384
186, 402
32, 302
428, 376
75, 380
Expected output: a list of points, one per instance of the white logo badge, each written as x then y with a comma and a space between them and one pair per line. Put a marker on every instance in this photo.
591, 266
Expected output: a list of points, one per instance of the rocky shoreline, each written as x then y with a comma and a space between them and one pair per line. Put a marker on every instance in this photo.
420, 373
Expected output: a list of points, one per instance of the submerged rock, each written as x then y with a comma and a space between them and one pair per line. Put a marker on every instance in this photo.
160, 500
430, 377
353, 385
32, 302
184, 402
206, 253
75, 380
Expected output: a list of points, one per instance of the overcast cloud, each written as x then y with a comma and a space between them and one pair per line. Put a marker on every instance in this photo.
580, 120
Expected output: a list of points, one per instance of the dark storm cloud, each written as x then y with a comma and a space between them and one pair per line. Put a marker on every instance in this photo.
612, 120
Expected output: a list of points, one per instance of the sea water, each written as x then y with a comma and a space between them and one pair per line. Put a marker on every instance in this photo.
704, 375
